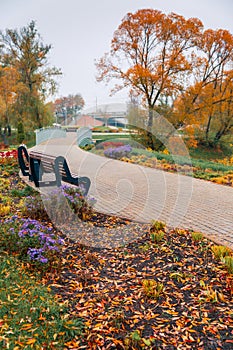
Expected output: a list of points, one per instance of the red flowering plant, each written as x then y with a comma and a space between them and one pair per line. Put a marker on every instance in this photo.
8, 157
109, 144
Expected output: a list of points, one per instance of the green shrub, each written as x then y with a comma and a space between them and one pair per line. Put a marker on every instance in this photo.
26, 191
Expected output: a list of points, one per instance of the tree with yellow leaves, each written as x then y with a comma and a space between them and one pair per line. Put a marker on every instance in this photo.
8, 82
23, 52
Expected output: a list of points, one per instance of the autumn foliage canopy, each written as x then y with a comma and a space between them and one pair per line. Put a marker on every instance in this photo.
169, 58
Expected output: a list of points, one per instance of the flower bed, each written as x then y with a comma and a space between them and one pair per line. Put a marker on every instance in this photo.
118, 152
36, 242
8, 156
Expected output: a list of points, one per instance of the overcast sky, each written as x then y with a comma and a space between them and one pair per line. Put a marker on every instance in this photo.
80, 31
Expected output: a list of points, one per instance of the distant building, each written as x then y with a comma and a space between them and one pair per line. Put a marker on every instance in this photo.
86, 120
113, 114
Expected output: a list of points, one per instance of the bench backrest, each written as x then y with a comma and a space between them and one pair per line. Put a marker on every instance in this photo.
46, 161
22, 157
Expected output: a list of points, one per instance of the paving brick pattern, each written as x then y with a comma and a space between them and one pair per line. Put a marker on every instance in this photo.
143, 194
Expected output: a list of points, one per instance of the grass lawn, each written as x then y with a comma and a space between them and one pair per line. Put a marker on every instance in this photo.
210, 153
30, 315
169, 289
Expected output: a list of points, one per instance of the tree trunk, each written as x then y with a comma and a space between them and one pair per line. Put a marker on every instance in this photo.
150, 119
38, 119
148, 132
219, 135
208, 129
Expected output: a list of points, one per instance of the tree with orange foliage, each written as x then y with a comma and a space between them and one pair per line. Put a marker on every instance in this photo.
8, 86
149, 54
208, 102
68, 105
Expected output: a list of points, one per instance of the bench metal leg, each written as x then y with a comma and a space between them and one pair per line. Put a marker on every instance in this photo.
36, 171
60, 162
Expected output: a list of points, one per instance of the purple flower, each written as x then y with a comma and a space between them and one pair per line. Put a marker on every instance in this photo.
38, 238
118, 152
36, 254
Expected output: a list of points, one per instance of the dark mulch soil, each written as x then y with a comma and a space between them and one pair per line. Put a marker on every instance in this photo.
105, 288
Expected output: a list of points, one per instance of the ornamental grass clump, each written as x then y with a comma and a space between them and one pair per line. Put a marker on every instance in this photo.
152, 288
157, 236
228, 262
197, 236
220, 251
30, 240
118, 152
157, 226
157, 231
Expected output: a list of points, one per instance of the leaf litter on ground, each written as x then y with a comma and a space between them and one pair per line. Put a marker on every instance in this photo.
105, 287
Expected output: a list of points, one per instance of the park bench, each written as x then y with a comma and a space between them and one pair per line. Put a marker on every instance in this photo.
40, 164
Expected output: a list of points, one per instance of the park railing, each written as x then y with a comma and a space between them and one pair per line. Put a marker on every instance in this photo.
45, 134
84, 136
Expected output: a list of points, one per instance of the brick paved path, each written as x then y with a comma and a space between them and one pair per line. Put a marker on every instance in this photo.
143, 194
